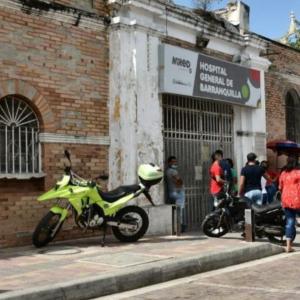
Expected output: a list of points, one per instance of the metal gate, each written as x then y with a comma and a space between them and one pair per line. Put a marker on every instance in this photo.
193, 129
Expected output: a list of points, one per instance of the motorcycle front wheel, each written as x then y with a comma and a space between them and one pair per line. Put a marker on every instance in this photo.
132, 215
43, 233
212, 226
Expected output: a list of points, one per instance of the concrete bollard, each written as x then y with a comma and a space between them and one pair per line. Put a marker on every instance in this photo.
174, 220
176, 217
178, 223
249, 226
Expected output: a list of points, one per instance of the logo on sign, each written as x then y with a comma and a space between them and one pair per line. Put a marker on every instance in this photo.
181, 62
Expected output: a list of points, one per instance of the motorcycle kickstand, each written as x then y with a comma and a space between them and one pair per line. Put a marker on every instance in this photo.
104, 235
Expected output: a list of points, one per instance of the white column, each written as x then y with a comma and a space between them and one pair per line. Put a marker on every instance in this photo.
250, 130
123, 114
135, 108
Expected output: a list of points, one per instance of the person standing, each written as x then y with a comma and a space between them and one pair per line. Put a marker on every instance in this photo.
289, 185
175, 188
250, 180
269, 187
216, 177
234, 185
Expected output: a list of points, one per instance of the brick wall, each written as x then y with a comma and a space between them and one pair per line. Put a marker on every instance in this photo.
285, 61
62, 71
20, 211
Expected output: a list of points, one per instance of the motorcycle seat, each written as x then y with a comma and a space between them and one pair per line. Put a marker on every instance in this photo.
263, 209
119, 192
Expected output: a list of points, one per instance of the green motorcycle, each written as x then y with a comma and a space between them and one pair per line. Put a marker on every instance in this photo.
94, 209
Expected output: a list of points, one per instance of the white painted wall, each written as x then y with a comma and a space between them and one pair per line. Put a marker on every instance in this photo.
251, 121
135, 108
123, 126
135, 104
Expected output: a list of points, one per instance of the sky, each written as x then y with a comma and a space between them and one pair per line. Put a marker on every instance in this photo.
270, 18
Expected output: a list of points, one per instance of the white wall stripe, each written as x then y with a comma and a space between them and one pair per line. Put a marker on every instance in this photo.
73, 139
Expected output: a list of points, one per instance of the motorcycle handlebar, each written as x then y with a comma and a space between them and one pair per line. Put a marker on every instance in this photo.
75, 177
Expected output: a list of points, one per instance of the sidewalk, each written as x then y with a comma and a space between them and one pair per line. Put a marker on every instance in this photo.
83, 264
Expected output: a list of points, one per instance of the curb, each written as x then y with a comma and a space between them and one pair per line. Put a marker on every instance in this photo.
143, 275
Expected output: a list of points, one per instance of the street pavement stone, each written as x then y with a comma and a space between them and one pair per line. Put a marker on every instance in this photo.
275, 278
30, 267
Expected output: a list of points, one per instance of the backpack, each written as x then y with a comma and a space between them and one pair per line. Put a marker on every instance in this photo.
224, 164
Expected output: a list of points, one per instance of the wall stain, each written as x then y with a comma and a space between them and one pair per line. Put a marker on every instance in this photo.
117, 108
118, 160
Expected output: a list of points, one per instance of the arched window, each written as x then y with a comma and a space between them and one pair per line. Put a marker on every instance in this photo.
19, 143
292, 102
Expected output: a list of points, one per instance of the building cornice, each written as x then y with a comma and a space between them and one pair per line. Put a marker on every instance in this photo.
65, 14
207, 25
292, 78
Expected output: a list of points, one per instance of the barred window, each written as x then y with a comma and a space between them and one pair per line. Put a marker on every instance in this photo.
19, 143
292, 102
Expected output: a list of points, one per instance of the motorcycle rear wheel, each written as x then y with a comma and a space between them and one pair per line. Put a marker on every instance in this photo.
42, 234
131, 215
211, 227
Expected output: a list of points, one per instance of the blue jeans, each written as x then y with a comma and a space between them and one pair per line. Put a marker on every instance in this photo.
254, 196
290, 229
265, 199
178, 198
271, 191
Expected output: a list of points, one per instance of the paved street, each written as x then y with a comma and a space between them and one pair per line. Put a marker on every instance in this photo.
27, 267
271, 278
62, 262
276, 277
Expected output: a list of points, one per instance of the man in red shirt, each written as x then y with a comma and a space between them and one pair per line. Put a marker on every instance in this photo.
216, 174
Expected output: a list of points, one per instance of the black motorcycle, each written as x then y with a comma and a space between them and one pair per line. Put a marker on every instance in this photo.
229, 216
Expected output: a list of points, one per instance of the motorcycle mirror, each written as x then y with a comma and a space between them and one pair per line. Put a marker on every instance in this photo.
68, 155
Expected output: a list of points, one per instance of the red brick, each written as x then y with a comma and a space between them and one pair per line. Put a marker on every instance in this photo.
43, 65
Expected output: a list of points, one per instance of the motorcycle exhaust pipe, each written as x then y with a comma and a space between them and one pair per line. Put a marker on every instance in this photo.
274, 231
122, 225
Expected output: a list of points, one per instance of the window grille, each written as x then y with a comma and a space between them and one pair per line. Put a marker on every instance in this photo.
19, 143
